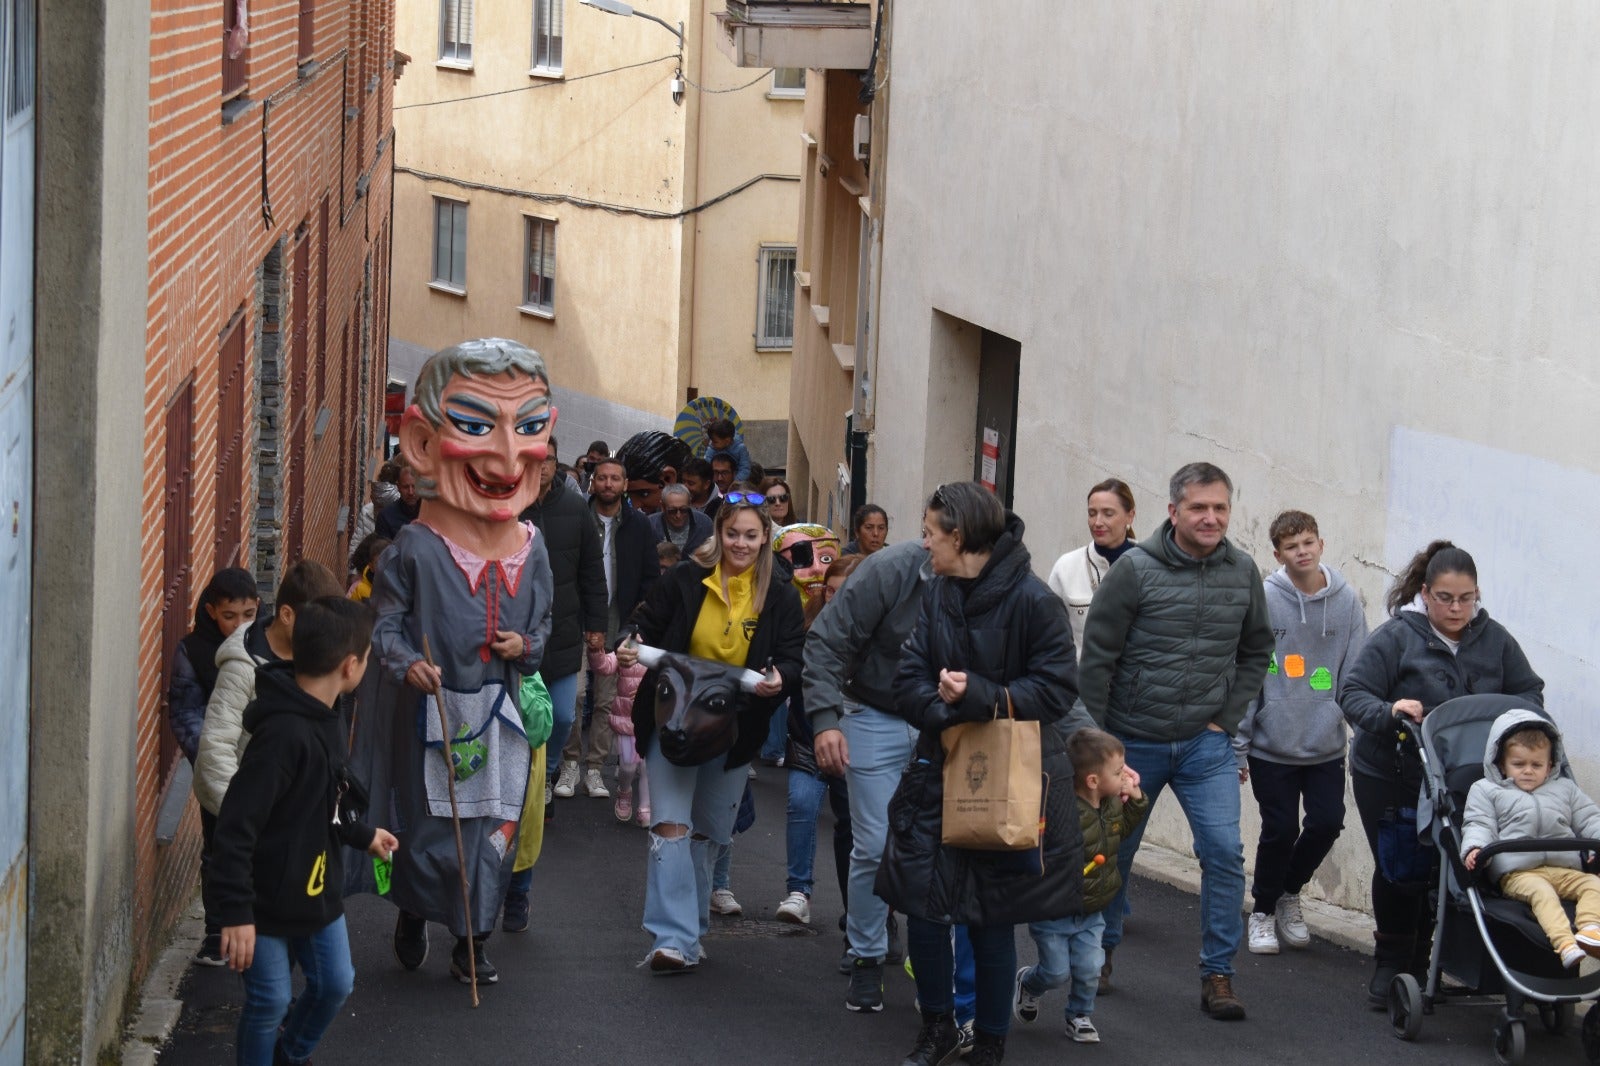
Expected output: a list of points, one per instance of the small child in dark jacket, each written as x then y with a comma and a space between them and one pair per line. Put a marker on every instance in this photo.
1110, 806
277, 866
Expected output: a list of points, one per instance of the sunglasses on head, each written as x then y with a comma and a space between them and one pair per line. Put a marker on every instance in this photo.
754, 499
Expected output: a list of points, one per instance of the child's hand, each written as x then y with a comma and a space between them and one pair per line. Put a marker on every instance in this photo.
239, 946
384, 844
1470, 860
595, 641
1130, 783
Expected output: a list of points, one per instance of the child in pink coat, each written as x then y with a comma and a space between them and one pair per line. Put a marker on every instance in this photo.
629, 764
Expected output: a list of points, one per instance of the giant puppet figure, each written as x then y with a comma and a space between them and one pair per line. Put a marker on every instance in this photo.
808, 549
463, 600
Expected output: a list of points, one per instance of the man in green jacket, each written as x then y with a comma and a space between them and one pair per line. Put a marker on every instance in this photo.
1174, 648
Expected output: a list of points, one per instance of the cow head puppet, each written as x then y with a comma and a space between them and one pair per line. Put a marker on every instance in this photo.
697, 708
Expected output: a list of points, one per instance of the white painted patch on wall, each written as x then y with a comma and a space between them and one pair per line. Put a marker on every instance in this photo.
1530, 525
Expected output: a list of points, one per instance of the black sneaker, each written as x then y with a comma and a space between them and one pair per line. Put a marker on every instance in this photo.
516, 913
987, 1050
210, 953
461, 966
410, 940
938, 1042
866, 986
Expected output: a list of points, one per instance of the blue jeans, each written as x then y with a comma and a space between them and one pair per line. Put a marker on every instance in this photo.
880, 746
966, 982
677, 891
722, 866
563, 710
994, 952
1069, 950
1204, 775
805, 802
777, 733
324, 957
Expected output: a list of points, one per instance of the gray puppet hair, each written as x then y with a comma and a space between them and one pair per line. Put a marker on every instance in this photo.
488, 357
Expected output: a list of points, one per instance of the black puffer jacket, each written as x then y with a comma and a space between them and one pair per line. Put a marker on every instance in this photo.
572, 537
1008, 632
666, 620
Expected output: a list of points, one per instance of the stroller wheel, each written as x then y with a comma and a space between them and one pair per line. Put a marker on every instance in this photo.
1591, 1035
1405, 1006
1557, 1017
1510, 1042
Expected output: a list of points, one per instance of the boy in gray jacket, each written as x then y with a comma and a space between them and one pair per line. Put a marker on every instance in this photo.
1523, 795
1291, 743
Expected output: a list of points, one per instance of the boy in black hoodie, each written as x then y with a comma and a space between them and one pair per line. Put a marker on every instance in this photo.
277, 865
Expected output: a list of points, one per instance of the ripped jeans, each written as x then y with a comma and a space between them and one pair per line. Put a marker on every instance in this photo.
677, 892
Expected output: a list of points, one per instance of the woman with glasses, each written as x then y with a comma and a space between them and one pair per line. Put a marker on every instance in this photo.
1438, 643
1077, 574
731, 604
990, 636
780, 502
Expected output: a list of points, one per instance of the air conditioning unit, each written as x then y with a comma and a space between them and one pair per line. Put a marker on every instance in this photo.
862, 141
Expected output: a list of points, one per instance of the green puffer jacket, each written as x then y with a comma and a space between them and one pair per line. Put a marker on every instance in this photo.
1104, 829
1173, 643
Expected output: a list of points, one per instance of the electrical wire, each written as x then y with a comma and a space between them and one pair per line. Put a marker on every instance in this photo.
551, 84
597, 205
759, 78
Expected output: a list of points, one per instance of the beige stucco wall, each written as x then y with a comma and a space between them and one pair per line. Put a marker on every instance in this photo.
634, 295
1344, 252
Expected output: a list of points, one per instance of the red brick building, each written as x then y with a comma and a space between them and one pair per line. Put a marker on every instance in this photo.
271, 145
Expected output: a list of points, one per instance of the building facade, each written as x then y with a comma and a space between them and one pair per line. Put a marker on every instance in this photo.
238, 429
1149, 235
621, 202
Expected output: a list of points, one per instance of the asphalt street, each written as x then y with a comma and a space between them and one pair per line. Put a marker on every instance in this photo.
570, 990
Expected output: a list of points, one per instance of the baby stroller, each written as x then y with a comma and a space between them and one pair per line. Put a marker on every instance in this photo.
1489, 945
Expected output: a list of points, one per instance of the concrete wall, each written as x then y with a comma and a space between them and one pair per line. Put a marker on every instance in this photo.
1344, 252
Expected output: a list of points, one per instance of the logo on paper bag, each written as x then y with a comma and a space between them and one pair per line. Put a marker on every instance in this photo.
977, 771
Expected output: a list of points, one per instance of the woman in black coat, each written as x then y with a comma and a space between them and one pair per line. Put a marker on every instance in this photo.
731, 603
988, 629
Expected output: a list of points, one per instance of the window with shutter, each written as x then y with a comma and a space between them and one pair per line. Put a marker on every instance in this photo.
455, 31
450, 243
539, 275
775, 298
548, 29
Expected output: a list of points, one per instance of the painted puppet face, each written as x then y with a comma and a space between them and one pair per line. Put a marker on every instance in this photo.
484, 459
809, 549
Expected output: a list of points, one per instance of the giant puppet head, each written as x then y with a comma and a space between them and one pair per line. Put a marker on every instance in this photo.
476, 434
809, 549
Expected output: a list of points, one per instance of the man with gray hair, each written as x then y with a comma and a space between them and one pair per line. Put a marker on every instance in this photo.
1174, 648
680, 521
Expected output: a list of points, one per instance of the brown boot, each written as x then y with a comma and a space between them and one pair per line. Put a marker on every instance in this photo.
1217, 998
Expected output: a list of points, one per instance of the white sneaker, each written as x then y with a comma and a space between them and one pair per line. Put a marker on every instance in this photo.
1263, 935
795, 908
566, 780
549, 791
1081, 1029
594, 786
722, 902
1291, 922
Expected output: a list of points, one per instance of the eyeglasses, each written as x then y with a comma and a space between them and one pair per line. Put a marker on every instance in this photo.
1444, 599
675, 512
775, 498
754, 499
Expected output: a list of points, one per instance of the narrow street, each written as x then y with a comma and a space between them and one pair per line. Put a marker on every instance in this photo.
569, 991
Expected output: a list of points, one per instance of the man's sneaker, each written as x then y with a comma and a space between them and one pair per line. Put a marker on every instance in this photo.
1291, 922
1081, 1029
938, 1042
866, 988
1024, 1004
795, 909
566, 781
461, 967
410, 940
593, 786
722, 902
666, 960
967, 1038
623, 807
549, 792
1263, 934
210, 953
1217, 998
515, 919
1105, 986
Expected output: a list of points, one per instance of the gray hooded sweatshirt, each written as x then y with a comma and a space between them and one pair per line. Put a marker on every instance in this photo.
1297, 720
1498, 810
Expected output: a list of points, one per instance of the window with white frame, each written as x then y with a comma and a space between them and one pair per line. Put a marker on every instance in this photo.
539, 266
775, 297
455, 31
450, 243
788, 82
548, 29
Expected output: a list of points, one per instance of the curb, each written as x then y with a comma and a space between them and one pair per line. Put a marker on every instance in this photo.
159, 1006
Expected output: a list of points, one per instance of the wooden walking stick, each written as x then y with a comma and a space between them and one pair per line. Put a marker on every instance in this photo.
455, 823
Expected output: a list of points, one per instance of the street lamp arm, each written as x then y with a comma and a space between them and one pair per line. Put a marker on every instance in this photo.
676, 31
616, 7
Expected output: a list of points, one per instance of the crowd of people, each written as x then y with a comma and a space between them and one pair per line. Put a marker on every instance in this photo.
677, 602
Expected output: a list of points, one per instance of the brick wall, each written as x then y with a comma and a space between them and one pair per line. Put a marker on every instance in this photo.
294, 170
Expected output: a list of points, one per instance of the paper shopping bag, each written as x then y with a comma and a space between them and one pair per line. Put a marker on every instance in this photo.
993, 783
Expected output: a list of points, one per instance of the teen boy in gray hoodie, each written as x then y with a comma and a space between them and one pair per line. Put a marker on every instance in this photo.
1292, 740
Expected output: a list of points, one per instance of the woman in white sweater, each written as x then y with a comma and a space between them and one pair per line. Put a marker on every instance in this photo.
1077, 574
